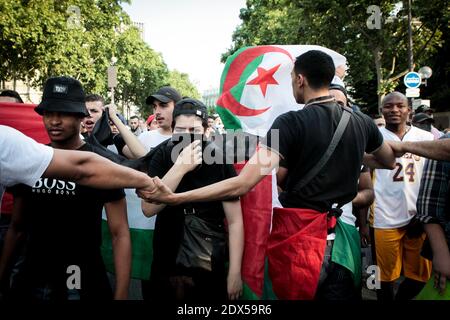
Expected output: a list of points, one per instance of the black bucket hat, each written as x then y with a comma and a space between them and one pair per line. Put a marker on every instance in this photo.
63, 94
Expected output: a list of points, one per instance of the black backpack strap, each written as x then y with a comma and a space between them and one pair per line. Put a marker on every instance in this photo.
332, 146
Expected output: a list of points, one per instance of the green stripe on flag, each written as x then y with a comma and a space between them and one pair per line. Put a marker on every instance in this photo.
141, 255
249, 69
230, 59
429, 292
229, 120
347, 249
248, 294
268, 293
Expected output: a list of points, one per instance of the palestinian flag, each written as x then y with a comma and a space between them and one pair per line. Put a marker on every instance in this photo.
141, 227
255, 88
22, 117
141, 233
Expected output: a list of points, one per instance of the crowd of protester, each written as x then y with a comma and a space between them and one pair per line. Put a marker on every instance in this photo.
377, 181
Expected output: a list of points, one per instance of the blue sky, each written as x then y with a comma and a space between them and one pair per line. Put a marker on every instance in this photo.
190, 34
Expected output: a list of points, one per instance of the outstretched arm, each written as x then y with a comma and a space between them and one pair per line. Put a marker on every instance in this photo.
260, 165
90, 169
436, 150
382, 158
187, 160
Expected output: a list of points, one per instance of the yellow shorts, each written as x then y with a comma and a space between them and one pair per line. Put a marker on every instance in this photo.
396, 252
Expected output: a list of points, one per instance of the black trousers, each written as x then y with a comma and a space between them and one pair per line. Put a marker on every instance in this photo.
194, 285
336, 282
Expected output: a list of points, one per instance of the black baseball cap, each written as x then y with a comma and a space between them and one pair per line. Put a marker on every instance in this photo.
422, 117
423, 108
164, 94
334, 86
63, 94
190, 106
11, 94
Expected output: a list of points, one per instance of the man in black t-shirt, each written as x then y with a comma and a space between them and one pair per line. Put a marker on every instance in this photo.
62, 219
183, 171
303, 137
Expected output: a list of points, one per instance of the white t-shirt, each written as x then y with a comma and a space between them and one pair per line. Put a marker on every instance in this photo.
347, 214
22, 160
151, 139
396, 190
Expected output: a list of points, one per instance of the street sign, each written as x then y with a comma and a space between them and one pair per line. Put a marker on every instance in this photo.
112, 77
412, 80
412, 92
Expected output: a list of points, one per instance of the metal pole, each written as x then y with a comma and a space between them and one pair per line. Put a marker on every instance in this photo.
410, 48
410, 40
112, 95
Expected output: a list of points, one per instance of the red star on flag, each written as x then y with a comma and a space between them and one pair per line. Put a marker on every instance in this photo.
264, 78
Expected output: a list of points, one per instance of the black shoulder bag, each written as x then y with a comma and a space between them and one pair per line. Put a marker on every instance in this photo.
331, 147
203, 244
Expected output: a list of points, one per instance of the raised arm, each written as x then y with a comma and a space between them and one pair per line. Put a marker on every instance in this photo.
134, 146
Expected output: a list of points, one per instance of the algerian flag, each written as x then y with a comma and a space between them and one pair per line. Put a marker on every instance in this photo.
255, 88
256, 85
141, 233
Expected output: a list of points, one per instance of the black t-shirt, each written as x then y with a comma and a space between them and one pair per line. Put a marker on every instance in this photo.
170, 221
304, 136
64, 225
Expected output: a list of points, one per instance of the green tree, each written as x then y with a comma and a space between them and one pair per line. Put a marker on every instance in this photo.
141, 70
181, 82
377, 58
46, 38
78, 38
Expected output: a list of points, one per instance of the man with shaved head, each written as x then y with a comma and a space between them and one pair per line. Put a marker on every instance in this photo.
397, 242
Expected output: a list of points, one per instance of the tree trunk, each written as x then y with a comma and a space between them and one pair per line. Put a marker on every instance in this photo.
28, 90
377, 57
